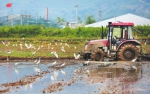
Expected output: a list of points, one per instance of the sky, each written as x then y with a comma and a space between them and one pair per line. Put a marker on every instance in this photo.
66, 8
37, 8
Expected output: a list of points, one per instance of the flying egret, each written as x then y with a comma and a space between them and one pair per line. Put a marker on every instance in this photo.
76, 56
55, 53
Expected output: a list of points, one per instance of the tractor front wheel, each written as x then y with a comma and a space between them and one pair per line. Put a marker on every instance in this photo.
128, 52
97, 55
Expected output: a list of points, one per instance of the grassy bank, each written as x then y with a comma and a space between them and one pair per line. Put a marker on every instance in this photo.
45, 48
36, 48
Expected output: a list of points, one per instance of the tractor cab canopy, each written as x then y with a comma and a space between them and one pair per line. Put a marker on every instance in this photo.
122, 24
120, 30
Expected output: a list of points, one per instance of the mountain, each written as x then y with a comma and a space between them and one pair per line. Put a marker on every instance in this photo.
100, 9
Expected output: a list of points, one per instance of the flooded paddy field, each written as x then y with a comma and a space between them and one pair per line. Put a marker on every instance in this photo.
69, 76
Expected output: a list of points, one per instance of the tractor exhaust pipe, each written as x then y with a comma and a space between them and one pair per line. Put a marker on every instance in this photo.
102, 36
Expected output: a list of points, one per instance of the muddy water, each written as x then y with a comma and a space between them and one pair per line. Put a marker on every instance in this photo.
74, 78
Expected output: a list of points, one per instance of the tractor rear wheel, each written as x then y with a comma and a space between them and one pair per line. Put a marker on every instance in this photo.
97, 55
128, 52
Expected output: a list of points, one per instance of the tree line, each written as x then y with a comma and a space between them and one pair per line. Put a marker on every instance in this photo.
31, 31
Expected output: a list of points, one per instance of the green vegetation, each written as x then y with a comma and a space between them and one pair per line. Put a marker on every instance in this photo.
45, 38
34, 31
43, 32
90, 19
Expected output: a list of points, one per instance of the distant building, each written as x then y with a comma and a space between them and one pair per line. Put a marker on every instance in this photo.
14, 19
137, 20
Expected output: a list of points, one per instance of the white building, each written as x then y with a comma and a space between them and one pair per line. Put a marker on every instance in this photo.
137, 20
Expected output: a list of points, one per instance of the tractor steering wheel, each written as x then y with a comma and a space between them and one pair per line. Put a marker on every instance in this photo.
116, 37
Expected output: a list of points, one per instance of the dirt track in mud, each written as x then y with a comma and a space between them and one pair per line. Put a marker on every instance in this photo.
61, 77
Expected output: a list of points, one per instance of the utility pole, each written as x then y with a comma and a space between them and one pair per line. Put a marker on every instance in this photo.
76, 13
47, 13
99, 15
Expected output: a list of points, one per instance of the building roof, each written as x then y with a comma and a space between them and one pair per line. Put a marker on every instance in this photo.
137, 20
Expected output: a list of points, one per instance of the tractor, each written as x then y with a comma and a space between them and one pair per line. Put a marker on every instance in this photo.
119, 44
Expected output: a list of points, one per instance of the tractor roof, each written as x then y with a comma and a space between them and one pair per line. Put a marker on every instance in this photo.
122, 24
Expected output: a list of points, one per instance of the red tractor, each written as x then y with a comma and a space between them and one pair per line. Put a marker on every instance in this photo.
120, 44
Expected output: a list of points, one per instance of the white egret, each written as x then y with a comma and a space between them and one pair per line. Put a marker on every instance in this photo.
35, 61
134, 59
31, 86
16, 71
8, 52
37, 69
87, 62
3, 42
55, 43
31, 46
62, 49
20, 46
55, 75
39, 48
62, 64
67, 44
55, 53
54, 63
52, 77
26, 45
63, 72
76, 56
15, 65
33, 52
7, 44
134, 67
87, 71
38, 62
